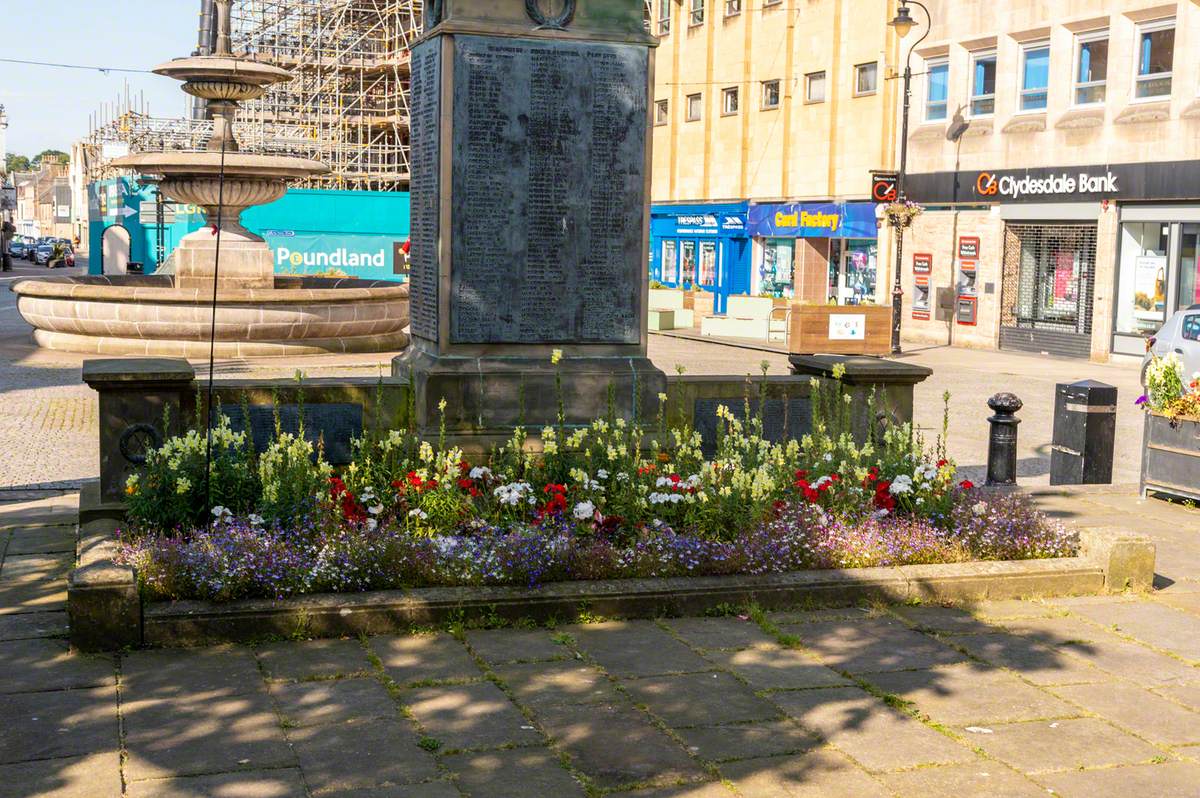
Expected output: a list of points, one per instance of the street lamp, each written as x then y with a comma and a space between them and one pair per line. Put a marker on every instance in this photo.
903, 23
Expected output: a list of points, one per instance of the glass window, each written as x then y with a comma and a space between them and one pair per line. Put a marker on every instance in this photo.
729, 100
661, 112
1189, 266
670, 262
814, 87
733, 8
774, 277
983, 84
1191, 327
697, 16
1035, 76
866, 77
1091, 68
664, 17
708, 263
693, 107
770, 94
1142, 285
688, 259
937, 90
1156, 54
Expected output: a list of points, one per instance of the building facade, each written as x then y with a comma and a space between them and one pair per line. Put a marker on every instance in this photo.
1056, 147
768, 120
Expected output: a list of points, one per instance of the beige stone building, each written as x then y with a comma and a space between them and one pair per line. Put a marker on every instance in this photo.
1056, 147
769, 117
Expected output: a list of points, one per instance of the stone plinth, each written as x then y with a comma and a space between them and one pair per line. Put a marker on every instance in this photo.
244, 264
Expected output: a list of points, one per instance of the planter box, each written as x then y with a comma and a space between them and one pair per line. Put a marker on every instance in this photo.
701, 304
840, 330
1171, 456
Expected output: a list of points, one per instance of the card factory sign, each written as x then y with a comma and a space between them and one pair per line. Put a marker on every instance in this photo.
1164, 180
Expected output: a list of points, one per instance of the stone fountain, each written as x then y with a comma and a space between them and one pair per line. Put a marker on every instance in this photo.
257, 312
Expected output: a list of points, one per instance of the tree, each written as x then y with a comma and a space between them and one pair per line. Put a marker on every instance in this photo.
55, 156
16, 163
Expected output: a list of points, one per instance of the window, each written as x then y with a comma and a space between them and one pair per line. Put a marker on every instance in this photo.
814, 87
937, 90
708, 263
1191, 327
1142, 283
697, 16
1091, 68
662, 113
1156, 53
664, 17
693, 107
866, 77
729, 101
770, 94
983, 84
688, 259
1035, 76
670, 262
733, 8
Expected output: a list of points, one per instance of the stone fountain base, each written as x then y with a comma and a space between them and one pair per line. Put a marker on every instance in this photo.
148, 315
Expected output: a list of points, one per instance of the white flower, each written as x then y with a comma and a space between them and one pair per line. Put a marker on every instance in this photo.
901, 485
979, 508
375, 509
415, 513
828, 458
221, 513
622, 477
880, 514
256, 520
584, 510
480, 472
372, 524
601, 474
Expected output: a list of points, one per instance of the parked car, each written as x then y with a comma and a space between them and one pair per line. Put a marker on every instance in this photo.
1181, 335
17, 248
42, 253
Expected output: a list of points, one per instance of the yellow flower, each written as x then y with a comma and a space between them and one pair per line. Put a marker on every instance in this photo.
130, 490
555, 357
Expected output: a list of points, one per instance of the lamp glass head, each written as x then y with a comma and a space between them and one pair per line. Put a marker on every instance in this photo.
903, 21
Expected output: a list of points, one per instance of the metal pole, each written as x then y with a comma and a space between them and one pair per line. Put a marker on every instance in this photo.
1002, 440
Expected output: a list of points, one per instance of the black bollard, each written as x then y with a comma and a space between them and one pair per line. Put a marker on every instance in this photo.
1002, 442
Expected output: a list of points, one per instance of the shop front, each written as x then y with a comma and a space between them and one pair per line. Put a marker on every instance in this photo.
701, 246
1158, 272
815, 252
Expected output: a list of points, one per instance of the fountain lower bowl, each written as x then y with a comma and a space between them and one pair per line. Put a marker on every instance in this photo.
147, 315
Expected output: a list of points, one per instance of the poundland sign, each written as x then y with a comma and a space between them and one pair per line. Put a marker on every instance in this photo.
1141, 181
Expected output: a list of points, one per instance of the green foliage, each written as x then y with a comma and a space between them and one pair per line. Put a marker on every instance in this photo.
293, 478
16, 163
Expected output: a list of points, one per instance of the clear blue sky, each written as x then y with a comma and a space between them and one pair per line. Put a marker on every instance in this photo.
48, 108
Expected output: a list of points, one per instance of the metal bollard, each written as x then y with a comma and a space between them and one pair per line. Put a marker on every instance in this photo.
1002, 442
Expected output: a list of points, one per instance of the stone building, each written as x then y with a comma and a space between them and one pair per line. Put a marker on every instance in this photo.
769, 117
1056, 147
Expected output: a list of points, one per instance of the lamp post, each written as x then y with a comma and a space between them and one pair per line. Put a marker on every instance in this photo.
903, 23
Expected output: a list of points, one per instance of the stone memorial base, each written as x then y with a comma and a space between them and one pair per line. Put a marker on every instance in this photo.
488, 395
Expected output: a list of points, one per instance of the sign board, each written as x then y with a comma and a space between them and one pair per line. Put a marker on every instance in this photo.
847, 326
968, 247
922, 263
368, 256
814, 220
885, 186
920, 302
148, 216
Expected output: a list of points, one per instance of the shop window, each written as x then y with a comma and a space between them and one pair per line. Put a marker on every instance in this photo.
937, 89
866, 79
1035, 76
664, 17
733, 8
708, 263
1142, 283
687, 257
697, 15
774, 273
1091, 68
814, 87
669, 273
662, 113
729, 101
1156, 55
1189, 266
693, 107
770, 94
983, 84
853, 271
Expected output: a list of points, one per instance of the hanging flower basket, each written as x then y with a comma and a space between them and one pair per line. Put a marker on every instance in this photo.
901, 214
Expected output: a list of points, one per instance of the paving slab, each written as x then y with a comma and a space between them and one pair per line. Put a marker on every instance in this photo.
33, 596
429, 789
516, 773
822, 773
1133, 661
747, 740
1010, 608
873, 734
361, 755
796, 617
1161, 780
1181, 600
1071, 744
35, 567
282, 783
41, 540
26, 625
1034, 662
469, 716
728, 632
688, 699
707, 789
1145, 714
1186, 694
979, 779
47, 664
962, 695
515, 645
95, 775
635, 648
314, 659
616, 745
946, 620
1164, 628
561, 682
772, 667
337, 701
874, 645
63, 723
411, 659
192, 736
171, 673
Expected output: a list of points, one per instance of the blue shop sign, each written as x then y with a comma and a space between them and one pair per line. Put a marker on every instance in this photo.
814, 220
698, 222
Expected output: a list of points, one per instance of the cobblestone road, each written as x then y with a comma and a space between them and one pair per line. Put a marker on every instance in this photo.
1082, 698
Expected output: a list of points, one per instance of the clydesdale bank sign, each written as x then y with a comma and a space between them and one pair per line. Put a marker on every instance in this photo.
1176, 180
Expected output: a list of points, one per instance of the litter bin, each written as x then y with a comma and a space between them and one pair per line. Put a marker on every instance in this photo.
1085, 430
134, 267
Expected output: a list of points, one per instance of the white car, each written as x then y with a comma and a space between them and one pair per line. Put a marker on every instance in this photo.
1181, 335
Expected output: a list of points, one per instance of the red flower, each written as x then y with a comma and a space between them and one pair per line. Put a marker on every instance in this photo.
413, 479
966, 484
553, 488
466, 484
884, 499
811, 495
835, 478
336, 487
801, 474
464, 467
943, 463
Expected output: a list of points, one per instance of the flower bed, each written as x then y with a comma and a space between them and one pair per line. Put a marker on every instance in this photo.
612, 500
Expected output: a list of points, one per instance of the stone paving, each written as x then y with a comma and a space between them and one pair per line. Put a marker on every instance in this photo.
1088, 697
